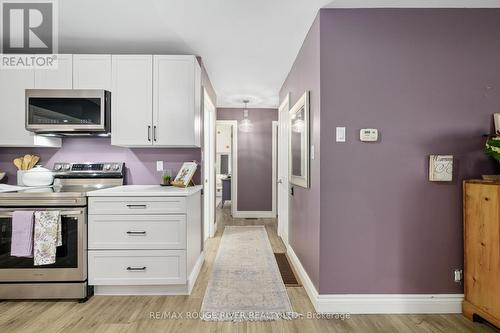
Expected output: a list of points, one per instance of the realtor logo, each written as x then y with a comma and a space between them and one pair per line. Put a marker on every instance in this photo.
28, 27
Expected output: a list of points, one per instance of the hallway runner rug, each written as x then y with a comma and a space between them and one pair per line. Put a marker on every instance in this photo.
246, 284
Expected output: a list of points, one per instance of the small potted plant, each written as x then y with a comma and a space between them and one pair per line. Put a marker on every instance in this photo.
166, 179
492, 148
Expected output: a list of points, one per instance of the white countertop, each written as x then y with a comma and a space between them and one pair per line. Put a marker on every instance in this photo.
145, 191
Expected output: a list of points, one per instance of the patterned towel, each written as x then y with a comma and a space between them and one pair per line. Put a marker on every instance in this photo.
22, 234
47, 237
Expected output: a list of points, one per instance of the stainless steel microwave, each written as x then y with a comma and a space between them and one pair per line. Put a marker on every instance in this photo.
65, 112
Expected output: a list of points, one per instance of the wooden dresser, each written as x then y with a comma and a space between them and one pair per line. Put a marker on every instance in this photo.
482, 250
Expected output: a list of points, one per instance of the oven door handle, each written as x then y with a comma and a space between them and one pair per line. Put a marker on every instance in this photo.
6, 214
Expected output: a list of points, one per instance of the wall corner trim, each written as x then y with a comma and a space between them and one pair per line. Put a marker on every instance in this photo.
376, 303
241, 214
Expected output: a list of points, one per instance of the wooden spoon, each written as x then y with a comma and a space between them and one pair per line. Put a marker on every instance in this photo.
26, 161
18, 162
34, 161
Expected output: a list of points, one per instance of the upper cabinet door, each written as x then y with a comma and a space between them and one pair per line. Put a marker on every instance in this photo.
13, 131
132, 100
59, 78
176, 102
92, 71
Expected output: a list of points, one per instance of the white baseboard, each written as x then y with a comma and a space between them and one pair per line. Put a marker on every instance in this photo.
240, 214
195, 272
376, 303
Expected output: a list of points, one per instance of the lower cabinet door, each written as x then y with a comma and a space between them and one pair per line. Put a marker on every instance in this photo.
137, 267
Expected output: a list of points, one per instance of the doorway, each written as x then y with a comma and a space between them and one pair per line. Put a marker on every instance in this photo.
282, 179
208, 157
227, 165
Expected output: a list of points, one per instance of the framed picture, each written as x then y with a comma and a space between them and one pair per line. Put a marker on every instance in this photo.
298, 129
185, 175
440, 168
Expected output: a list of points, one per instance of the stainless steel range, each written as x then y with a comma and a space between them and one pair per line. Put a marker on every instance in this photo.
67, 277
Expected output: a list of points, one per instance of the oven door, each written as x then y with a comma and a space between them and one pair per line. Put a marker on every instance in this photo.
66, 111
71, 256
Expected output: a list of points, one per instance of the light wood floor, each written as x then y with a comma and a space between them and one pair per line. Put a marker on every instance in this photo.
133, 314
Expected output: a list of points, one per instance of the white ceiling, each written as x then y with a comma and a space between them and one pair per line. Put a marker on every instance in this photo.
248, 46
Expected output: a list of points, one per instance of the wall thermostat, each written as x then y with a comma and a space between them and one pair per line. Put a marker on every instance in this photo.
368, 134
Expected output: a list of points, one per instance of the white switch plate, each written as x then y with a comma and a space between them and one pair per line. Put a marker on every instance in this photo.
312, 152
159, 165
340, 134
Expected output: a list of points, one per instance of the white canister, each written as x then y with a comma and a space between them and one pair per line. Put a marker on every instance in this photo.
20, 174
38, 176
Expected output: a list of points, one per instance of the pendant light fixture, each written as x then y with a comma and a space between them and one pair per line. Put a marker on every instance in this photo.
245, 125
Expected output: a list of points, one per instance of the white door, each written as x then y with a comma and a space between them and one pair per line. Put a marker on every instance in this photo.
92, 71
176, 104
283, 186
209, 167
132, 100
59, 78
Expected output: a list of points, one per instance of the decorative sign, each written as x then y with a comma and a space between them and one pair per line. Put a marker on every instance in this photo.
185, 175
441, 168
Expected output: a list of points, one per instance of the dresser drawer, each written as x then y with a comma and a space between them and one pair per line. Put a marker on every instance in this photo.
139, 267
137, 232
137, 205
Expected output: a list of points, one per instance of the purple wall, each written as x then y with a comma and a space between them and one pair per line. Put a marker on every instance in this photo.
304, 223
140, 163
429, 80
254, 158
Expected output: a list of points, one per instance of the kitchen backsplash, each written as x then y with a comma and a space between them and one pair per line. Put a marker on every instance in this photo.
139, 162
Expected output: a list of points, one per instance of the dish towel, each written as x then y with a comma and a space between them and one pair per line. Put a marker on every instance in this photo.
22, 234
47, 237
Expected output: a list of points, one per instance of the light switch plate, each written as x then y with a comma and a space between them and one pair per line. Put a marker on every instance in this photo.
312, 152
159, 165
340, 134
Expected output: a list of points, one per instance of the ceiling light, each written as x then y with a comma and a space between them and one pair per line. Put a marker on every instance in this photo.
245, 125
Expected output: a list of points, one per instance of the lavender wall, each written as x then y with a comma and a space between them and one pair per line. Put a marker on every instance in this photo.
429, 80
140, 163
304, 224
254, 158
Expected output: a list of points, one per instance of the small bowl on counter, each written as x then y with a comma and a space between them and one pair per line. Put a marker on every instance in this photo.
38, 176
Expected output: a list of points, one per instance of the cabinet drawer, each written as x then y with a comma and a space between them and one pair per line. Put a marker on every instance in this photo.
137, 205
141, 232
139, 267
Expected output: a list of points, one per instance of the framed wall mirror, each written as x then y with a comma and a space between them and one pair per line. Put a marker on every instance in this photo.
299, 142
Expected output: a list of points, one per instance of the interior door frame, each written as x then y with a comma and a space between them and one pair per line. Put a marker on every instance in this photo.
283, 213
275, 133
208, 157
234, 163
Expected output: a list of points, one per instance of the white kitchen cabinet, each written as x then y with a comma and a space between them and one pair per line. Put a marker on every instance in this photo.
13, 131
132, 100
156, 101
176, 105
92, 71
144, 240
59, 78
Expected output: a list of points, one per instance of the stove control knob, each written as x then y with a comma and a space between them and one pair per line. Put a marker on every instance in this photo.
116, 167
57, 167
107, 167
66, 167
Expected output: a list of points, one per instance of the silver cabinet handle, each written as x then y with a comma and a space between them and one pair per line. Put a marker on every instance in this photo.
154, 133
149, 133
136, 269
136, 233
137, 206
